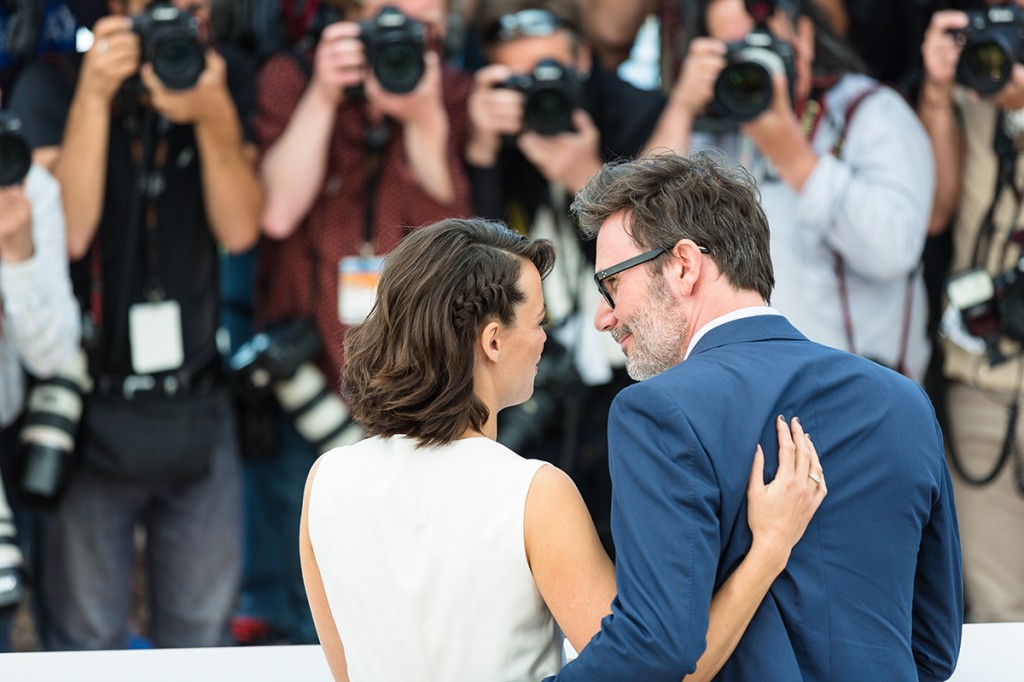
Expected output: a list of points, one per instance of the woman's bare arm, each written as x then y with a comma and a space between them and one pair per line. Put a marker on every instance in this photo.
326, 630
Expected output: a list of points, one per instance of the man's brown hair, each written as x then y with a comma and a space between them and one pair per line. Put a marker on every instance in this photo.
667, 197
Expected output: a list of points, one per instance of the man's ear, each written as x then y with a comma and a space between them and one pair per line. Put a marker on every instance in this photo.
686, 265
489, 341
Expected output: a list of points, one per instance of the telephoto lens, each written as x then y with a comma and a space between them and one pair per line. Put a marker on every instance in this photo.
992, 42
12, 583
317, 412
52, 416
15, 154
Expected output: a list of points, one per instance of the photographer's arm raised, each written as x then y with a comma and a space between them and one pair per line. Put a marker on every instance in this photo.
295, 165
231, 191
936, 110
81, 161
425, 128
690, 94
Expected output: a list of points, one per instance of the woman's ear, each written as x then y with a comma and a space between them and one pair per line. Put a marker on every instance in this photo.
489, 341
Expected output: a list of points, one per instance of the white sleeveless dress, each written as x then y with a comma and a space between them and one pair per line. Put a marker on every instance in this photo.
423, 562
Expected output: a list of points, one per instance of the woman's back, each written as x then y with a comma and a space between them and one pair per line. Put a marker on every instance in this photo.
423, 562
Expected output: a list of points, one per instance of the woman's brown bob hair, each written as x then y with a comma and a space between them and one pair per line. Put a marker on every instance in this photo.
409, 366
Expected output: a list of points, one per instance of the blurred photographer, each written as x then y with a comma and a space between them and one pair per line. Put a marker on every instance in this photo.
39, 324
843, 166
545, 115
361, 130
972, 104
146, 138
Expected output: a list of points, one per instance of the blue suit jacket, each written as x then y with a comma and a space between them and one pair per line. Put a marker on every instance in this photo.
873, 591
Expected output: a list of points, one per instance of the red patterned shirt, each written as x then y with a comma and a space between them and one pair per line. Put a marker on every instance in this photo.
300, 273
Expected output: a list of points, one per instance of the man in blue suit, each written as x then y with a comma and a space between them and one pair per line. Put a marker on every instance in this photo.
873, 591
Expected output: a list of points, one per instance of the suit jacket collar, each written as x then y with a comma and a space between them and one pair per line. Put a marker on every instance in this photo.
757, 328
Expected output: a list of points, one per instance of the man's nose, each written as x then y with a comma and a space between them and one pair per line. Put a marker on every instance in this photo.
604, 316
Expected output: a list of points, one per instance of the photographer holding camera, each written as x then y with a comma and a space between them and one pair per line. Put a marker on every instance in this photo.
972, 104
39, 322
545, 116
843, 166
155, 174
361, 132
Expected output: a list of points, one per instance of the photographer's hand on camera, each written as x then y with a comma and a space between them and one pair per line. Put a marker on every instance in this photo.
201, 104
778, 134
112, 59
940, 54
690, 95
566, 159
339, 62
15, 225
493, 112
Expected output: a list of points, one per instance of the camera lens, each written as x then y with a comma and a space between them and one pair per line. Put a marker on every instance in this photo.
178, 61
15, 157
399, 66
548, 111
985, 66
744, 89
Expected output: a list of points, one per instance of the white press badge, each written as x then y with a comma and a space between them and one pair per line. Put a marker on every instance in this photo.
155, 336
357, 287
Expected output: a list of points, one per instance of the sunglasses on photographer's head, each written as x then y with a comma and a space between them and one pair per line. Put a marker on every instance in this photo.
603, 275
527, 23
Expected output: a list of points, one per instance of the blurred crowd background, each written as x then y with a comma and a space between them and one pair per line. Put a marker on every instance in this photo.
182, 247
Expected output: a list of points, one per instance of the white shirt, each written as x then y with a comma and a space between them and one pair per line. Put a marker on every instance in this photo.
41, 323
423, 562
740, 314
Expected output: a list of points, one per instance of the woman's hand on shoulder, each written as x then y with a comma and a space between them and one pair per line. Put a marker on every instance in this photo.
778, 512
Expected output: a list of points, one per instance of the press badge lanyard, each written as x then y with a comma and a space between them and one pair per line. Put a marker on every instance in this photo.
358, 275
154, 325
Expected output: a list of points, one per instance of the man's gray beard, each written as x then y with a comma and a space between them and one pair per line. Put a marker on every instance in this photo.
658, 334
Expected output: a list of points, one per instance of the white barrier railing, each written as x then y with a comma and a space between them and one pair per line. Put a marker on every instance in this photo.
991, 652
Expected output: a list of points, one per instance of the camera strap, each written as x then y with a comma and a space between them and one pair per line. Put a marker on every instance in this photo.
839, 264
1010, 449
149, 154
1007, 151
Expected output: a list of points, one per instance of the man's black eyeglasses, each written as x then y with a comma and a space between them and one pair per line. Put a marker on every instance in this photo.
601, 276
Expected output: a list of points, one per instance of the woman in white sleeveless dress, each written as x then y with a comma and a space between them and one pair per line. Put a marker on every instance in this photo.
430, 551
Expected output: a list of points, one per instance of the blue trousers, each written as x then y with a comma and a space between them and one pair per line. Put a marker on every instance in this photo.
272, 587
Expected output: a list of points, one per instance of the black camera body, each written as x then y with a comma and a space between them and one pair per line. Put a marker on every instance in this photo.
553, 91
992, 42
170, 41
395, 44
15, 154
744, 88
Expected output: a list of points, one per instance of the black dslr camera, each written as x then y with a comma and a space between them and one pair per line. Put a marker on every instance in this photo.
394, 46
15, 154
552, 93
991, 307
744, 89
992, 42
170, 41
